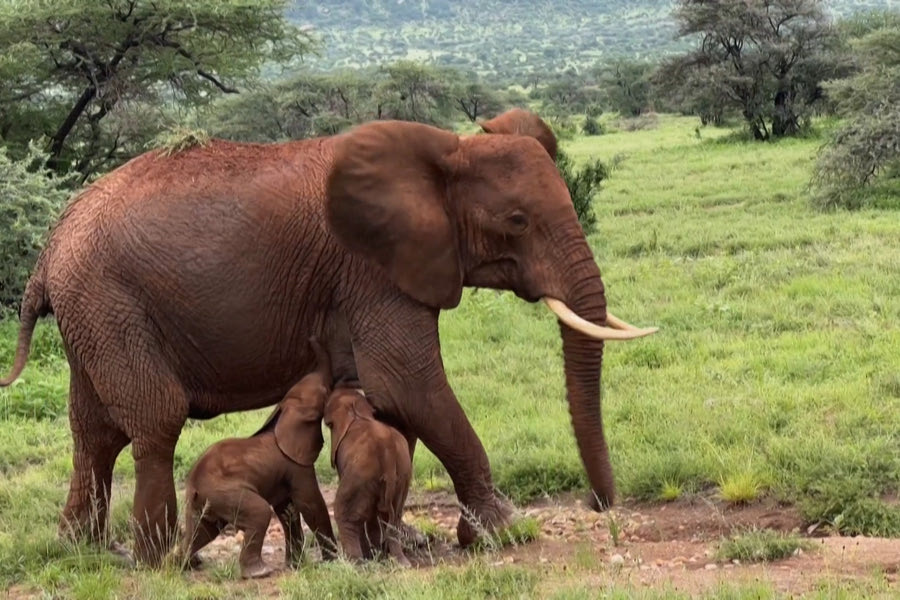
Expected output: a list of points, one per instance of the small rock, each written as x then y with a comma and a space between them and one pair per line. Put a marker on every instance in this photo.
617, 559
711, 567
735, 561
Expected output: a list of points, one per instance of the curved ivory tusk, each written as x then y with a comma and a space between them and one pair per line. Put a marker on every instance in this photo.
617, 323
623, 332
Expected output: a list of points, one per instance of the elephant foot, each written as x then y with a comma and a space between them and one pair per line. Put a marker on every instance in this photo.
256, 570
480, 519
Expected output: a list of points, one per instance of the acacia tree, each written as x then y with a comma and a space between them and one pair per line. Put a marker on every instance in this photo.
627, 85
765, 58
71, 66
307, 105
475, 99
412, 91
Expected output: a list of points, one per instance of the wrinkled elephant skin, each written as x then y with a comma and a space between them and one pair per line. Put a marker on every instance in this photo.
186, 286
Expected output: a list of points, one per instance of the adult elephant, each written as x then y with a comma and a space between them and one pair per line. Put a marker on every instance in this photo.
186, 286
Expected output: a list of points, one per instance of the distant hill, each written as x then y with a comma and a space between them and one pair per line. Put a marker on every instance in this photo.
499, 37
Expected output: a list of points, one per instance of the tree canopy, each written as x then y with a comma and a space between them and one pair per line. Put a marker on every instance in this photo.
92, 76
764, 58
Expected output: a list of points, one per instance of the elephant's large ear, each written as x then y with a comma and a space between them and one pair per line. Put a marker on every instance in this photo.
518, 121
387, 200
298, 433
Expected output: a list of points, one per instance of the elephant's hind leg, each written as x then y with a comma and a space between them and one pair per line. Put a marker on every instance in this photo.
155, 506
253, 515
150, 405
97, 443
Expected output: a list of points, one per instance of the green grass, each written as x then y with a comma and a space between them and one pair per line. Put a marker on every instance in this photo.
520, 531
761, 545
775, 372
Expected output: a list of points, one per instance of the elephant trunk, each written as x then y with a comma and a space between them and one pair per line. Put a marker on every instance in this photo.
583, 362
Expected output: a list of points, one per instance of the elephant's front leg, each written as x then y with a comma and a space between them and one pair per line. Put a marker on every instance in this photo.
443, 427
402, 373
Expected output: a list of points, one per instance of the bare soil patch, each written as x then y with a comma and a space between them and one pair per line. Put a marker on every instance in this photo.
668, 545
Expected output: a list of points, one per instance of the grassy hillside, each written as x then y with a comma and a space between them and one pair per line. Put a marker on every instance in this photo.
499, 37
775, 371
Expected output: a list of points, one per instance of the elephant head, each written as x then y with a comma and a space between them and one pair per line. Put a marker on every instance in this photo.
297, 420
345, 405
439, 212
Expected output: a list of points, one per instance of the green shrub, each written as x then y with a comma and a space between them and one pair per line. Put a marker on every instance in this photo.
31, 201
591, 126
583, 185
863, 151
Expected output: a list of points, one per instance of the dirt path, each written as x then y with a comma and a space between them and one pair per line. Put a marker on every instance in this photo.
658, 545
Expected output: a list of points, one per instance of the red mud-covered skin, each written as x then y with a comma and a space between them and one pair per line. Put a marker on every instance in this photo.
240, 481
375, 469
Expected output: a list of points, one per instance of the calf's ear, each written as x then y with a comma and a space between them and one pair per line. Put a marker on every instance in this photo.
298, 433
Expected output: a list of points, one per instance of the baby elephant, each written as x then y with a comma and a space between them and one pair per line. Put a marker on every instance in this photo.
373, 463
239, 481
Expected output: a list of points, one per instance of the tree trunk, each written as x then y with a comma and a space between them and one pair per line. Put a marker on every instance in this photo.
59, 138
784, 121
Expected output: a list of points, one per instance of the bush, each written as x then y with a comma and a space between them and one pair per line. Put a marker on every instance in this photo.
31, 202
583, 185
866, 149
591, 127
864, 155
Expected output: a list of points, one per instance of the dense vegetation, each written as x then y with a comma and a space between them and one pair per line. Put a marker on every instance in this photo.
99, 79
501, 38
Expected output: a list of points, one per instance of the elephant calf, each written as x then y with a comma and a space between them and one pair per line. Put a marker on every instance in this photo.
239, 481
374, 466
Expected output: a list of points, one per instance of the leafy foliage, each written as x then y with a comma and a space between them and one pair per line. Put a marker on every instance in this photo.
312, 104
627, 85
31, 202
591, 126
764, 58
499, 40
93, 77
583, 184
866, 150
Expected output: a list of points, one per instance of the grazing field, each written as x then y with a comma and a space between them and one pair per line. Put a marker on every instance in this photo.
774, 383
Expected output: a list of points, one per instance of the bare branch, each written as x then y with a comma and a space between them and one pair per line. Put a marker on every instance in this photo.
216, 82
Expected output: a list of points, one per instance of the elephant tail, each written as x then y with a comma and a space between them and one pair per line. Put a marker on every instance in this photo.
35, 304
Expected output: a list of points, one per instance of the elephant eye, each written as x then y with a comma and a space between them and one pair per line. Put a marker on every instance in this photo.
518, 221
